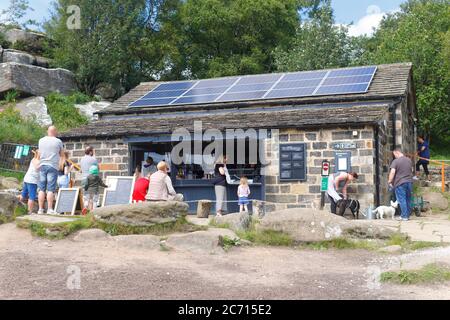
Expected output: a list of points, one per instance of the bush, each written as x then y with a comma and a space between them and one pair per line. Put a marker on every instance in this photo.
63, 112
14, 129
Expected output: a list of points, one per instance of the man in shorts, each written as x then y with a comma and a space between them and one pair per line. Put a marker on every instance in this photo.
51, 149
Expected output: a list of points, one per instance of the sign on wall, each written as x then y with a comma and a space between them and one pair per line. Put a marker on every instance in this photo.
343, 145
293, 162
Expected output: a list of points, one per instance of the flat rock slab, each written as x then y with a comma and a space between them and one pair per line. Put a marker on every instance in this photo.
46, 219
91, 235
198, 221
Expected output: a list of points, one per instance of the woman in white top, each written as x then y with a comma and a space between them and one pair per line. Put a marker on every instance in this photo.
334, 182
30, 182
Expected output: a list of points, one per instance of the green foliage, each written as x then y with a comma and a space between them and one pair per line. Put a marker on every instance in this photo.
267, 237
431, 273
14, 14
419, 33
10, 97
5, 44
63, 112
227, 243
13, 174
14, 129
342, 243
318, 44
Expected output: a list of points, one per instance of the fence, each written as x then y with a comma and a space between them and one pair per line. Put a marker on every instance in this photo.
15, 157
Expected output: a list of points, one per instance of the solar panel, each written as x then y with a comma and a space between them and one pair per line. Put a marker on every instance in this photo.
259, 87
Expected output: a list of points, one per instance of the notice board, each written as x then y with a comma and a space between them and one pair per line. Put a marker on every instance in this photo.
293, 162
120, 191
69, 200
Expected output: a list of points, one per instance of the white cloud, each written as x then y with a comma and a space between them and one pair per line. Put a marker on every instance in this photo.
367, 24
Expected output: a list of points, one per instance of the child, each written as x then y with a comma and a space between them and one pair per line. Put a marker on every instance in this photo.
91, 189
30, 182
64, 171
140, 189
243, 193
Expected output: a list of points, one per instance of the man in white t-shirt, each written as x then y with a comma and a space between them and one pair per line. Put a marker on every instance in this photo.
50, 150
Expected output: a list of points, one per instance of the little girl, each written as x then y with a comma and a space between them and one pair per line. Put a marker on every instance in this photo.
30, 182
243, 193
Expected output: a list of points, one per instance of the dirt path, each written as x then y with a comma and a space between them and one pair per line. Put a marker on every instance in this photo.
34, 268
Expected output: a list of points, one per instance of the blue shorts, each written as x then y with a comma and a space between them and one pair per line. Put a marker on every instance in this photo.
47, 179
243, 201
29, 191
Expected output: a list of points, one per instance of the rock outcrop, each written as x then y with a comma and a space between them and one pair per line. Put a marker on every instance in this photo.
9, 183
34, 41
235, 221
142, 214
35, 81
436, 200
35, 108
8, 205
90, 108
309, 225
11, 55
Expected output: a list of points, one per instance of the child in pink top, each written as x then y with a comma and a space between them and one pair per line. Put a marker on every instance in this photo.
243, 193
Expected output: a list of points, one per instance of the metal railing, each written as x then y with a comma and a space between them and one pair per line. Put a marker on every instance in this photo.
15, 157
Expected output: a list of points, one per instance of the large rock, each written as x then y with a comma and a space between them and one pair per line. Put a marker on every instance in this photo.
35, 108
9, 183
90, 108
106, 91
31, 40
309, 225
8, 205
17, 56
36, 81
436, 199
142, 214
235, 221
209, 241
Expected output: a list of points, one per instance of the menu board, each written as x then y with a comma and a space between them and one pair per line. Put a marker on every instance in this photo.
293, 162
120, 190
69, 200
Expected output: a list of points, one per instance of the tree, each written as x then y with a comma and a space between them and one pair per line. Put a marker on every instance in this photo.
419, 33
221, 37
16, 11
318, 44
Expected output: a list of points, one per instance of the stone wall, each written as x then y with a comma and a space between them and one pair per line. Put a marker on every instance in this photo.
282, 195
112, 155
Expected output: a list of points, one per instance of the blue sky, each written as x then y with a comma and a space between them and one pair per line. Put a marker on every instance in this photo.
365, 14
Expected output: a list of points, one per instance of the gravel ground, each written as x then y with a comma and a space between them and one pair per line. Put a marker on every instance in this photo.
34, 268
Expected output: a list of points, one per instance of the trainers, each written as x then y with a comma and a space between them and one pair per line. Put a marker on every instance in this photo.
41, 211
84, 211
405, 219
415, 178
52, 212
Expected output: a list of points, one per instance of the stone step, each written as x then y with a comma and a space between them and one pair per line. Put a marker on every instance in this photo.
50, 220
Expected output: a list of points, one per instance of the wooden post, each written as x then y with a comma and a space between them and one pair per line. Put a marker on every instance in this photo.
443, 177
204, 208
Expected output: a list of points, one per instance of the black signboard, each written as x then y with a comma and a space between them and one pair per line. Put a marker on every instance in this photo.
120, 190
68, 201
293, 162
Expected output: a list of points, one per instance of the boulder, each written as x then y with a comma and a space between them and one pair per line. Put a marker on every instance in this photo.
209, 241
142, 214
436, 199
88, 109
91, 235
106, 91
31, 40
8, 205
138, 241
36, 81
10, 55
235, 221
309, 225
35, 108
9, 183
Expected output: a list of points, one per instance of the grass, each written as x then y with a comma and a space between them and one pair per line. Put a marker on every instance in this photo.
12, 174
14, 129
63, 230
227, 243
431, 273
340, 244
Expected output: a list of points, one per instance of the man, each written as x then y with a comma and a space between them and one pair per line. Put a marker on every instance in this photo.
51, 150
423, 151
400, 179
148, 168
333, 185
160, 188
87, 162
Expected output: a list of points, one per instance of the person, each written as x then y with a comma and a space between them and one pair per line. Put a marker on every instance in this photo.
64, 171
30, 183
87, 162
423, 151
243, 193
400, 180
160, 187
140, 189
220, 185
333, 186
51, 150
91, 189
148, 168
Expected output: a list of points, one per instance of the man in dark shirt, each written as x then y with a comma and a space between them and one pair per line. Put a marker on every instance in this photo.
400, 179
423, 151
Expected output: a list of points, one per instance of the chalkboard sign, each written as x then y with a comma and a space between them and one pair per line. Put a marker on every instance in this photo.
120, 190
69, 200
293, 162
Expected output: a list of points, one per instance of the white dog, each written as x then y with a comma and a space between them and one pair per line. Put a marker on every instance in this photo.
385, 210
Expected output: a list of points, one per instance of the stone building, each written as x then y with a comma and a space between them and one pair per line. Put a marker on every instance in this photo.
354, 131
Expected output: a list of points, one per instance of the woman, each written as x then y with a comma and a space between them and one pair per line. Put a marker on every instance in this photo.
64, 171
220, 185
333, 186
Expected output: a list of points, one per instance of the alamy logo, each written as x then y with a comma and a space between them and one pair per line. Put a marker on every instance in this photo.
74, 279
74, 20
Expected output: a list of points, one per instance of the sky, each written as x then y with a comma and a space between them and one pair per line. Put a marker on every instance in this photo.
364, 14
